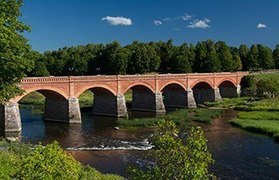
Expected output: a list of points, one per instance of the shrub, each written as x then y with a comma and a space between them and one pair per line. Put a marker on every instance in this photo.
176, 157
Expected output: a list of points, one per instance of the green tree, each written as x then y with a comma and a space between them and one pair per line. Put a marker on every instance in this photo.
253, 57
40, 68
114, 59
14, 49
237, 64
243, 53
180, 62
265, 57
175, 157
225, 56
165, 51
275, 56
142, 58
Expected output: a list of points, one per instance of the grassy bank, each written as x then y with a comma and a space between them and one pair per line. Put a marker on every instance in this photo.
260, 116
23, 161
179, 116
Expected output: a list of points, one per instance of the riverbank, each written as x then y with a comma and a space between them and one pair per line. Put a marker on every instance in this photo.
203, 115
258, 116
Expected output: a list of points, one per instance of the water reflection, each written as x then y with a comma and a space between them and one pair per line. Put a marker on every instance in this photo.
237, 153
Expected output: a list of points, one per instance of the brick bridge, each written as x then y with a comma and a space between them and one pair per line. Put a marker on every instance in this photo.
178, 90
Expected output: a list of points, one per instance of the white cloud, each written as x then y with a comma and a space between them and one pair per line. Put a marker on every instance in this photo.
118, 20
157, 22
186, 17
199, 23
261, 25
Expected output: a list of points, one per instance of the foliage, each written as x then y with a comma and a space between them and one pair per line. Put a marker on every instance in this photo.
267, 88
176, 157
23, 161
14, 49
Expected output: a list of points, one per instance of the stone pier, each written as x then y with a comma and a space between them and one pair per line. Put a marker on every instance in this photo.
10, 117
191, 103
217, 95
146, 100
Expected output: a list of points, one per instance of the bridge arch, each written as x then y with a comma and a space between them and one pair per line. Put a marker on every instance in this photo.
173, 82
227, 89
174, 95
41, 90
201, 81
203, 92
100, 86
56, 104
134, 84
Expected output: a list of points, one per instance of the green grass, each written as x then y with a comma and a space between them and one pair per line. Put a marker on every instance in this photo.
260, 117
266, 76
229, 102
179, 116
268, 127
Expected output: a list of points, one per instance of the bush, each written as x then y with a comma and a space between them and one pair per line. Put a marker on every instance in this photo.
176, 157
23, 161
267, 88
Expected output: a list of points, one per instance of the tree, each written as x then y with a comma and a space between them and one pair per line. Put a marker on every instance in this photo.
253, 57
142, 58
14, 49
165, 52
175, 157
180, 62
265, 57
225, 56
243, 53
237, 64
40, 68
275, 56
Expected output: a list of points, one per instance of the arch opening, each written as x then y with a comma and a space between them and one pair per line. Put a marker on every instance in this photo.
140, 98
174, 96
35, 109
203, 92
100, 101
228, 90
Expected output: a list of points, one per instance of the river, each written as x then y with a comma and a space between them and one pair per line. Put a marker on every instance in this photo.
238, 154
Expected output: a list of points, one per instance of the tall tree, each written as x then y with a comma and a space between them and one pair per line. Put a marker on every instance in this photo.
180, 60
243, 53
225, 56
253, 57
114, 59
14, 49
237, 64
265, 57
276, 56
165, 51
142, 58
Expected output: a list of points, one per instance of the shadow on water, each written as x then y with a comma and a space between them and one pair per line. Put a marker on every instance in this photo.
237, 153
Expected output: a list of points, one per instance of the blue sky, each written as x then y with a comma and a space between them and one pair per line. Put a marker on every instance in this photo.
59, 23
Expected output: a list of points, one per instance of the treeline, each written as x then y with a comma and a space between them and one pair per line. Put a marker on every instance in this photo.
161, 57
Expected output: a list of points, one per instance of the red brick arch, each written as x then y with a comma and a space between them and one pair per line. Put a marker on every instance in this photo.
85, 88
202, 81
51, 89
228, 80
173, 82
129, 86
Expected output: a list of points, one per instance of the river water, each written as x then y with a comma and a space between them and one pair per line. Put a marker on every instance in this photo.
237, 153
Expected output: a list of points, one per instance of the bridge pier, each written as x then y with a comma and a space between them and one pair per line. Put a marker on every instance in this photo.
148, 101
74, 111
10, 117
217, 95
191, 103
107, 104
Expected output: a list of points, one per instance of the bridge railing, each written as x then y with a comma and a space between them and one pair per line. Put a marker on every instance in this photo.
125, 77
